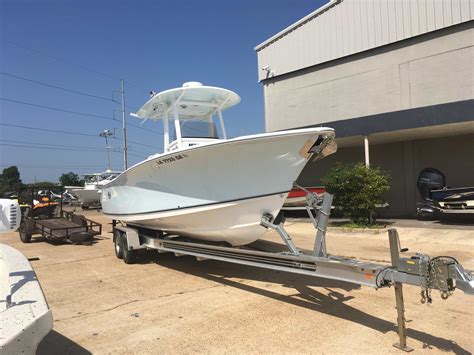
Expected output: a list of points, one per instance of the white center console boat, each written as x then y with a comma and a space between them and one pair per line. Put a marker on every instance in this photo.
204, 185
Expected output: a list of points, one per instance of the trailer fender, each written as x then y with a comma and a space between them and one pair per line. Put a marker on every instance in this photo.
133, 240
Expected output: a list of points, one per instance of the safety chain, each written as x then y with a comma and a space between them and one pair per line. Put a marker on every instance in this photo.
425, 284
431, 281
426, 295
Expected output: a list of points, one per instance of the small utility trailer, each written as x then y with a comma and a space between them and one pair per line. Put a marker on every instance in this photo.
442, 273
46, 217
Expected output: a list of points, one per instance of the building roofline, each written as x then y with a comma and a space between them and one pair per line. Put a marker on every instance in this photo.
417, 117
297, 24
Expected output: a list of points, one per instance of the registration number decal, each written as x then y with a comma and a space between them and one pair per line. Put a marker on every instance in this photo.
171, 159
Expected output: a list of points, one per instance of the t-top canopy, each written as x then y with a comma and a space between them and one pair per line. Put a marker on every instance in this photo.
192, 100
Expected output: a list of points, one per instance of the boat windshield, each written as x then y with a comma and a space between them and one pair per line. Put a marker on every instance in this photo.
196, 129
92, 179
108, 176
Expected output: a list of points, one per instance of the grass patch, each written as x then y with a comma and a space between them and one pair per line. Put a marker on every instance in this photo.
348, 224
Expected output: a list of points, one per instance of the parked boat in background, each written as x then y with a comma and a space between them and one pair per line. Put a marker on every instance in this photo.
296, 199
206, 186
25, 318
89, 195
439, 200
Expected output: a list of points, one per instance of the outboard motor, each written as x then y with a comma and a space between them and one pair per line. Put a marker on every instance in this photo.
10, 215
430, 179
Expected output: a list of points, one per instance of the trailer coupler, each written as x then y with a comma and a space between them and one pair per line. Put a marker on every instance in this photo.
442, 273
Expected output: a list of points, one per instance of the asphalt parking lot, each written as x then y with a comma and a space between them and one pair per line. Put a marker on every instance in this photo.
169, 304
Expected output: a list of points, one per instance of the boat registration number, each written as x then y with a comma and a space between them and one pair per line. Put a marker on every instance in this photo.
171, 159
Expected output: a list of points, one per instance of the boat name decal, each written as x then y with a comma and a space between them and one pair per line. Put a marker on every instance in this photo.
171, 159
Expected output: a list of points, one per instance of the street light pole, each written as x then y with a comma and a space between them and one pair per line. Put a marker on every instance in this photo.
106, 134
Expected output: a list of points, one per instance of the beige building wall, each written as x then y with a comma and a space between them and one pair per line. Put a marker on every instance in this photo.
427, 70
404, 161
341, 28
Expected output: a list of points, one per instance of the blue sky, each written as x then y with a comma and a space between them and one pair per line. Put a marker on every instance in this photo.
89, 45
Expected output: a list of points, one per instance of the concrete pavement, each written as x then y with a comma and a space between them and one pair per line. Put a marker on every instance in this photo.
171, 304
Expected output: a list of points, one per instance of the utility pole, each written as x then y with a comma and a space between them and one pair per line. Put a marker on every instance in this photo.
124, 128
106, 133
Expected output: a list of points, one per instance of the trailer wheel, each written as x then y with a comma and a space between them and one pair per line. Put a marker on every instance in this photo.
118, 243
79, 237
85, 207
128, 256
24, 235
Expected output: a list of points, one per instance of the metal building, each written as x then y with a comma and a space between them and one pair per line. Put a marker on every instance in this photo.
393, 77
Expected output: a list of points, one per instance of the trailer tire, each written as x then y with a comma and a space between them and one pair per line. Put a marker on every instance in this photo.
79, 237
24, 235
85, 207
118, 243
128, 256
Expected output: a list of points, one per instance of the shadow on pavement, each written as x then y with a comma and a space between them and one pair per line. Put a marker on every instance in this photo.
57, 344
332, 303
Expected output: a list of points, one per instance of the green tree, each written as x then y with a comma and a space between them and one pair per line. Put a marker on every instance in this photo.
10, 179
42, 184
71, 179
357, 189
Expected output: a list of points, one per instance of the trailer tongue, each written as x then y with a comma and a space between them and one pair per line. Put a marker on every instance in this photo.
442, 273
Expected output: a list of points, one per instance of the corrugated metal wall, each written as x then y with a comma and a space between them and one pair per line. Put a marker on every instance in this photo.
352, 26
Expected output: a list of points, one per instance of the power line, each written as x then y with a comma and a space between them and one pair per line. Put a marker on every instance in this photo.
51, 145
145, 145
77, 113
50, 148
76, 92
69, 132
57, 87
65, 168
138, 126
62, 60
52, 166
57, 109
133, 108
78, 149
143, 128
66, 89
83, 67
138, 155
50, 130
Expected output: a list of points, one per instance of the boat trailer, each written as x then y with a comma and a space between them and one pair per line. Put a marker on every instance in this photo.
48, 219
442, 273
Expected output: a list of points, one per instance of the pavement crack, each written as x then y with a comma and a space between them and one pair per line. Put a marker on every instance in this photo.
99, 311
137, 300
73, 261
190, 291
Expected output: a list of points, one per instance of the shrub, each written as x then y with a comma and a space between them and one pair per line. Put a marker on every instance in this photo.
357, 189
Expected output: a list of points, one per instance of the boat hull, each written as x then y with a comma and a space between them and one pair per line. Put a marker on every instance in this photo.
236, 222
216, 192
25, 318
88, 196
